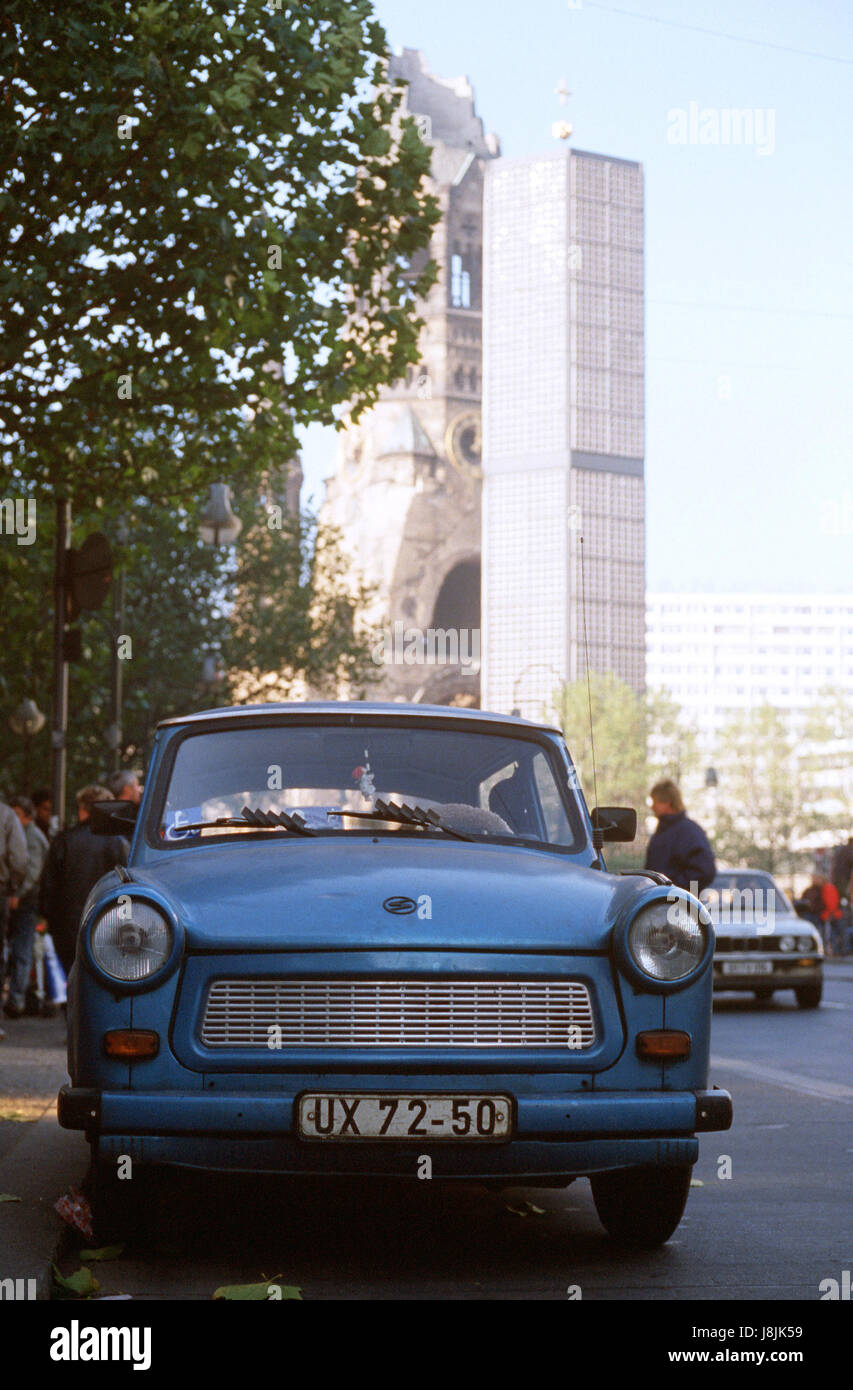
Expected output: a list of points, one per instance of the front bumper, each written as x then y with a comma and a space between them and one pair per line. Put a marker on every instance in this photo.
553, 1135
785, 973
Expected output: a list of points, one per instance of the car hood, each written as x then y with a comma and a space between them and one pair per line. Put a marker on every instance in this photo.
314, 894
784, 924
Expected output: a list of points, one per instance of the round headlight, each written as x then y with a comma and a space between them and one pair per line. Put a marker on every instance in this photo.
787, 943
667, 941
806, 943
131, 940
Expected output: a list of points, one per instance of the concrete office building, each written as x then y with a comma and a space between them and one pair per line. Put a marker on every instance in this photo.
563, 425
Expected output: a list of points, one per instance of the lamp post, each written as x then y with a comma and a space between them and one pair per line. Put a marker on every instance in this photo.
25, 721
219, 525
114, 731
534, 666
711, 785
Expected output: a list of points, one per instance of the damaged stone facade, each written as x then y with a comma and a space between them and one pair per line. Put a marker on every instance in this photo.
406, 492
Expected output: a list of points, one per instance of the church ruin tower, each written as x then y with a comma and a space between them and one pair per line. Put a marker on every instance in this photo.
406, 493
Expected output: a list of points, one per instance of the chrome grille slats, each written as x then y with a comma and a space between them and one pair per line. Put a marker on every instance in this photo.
398, 1013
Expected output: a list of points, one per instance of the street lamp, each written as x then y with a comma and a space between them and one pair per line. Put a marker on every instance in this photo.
534, 666
712, 784
25, 721
212, 671
219, 525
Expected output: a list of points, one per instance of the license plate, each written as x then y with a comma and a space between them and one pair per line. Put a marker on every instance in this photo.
747, 967
333, 1115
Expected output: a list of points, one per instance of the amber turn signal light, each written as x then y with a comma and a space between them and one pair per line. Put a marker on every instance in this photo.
131, 1044
663, 1045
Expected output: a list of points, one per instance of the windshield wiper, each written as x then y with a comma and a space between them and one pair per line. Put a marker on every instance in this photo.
262, 820
404, 815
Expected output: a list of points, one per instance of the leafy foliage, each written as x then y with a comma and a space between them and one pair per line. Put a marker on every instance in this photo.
637, 739
275, 604
203, 206
767, 808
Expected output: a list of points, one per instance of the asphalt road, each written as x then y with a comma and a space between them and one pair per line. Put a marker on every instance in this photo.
774, 1229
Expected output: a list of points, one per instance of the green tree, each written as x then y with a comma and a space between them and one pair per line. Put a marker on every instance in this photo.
765, 810
204, 207
294, 621
637, 737
825, 755
274, 603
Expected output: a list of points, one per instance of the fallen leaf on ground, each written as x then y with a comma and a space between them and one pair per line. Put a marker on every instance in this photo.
77, 1285
525, 1209
106, 1252
259, 1292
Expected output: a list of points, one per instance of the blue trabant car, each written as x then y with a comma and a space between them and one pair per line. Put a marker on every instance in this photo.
381, 939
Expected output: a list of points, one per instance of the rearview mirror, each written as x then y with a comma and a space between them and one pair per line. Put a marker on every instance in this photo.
113, 817
615, 822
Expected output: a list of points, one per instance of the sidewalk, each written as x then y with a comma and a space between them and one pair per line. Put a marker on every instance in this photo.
42, 1166
39, 1162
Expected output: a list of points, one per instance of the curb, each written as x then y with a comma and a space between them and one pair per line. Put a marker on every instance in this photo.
39, 1169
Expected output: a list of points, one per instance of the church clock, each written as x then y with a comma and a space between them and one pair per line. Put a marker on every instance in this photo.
463, 443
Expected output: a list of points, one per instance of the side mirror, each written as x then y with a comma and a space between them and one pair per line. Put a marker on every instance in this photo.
616, 822
113, 817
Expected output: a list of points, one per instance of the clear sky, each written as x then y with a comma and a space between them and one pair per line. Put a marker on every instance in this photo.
749, 252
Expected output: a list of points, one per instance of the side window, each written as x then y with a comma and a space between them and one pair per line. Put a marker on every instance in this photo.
553, 810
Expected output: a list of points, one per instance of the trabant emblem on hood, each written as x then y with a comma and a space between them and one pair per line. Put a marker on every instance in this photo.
400, 906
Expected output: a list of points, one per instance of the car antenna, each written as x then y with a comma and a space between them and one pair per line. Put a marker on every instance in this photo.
597, 831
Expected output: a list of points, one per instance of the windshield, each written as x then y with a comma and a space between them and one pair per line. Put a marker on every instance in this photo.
747, 899
488, 786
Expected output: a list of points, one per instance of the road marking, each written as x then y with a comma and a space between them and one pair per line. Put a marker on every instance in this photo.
830, 1004
792, 1081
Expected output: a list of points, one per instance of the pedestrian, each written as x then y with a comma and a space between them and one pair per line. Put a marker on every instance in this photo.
23, 905
43, 812
842, 867
679, 847
75, 862
810, 905
830, 915
124, 786
13, 868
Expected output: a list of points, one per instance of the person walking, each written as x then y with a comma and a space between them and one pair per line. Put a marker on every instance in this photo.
43, 812
13, 867
24, 913
124, 786
830, 917
75, 861
679, 846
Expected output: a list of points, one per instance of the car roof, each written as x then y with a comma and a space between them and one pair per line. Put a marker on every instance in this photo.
348, 708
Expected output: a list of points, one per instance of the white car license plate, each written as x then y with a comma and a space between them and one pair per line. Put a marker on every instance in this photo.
747, 967
336, 1115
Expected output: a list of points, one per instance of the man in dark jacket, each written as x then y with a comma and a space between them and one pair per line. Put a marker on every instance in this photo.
842, 866
75, 861
679, 847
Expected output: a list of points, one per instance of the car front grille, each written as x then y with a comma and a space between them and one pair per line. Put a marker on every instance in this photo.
398, 1013
769, 945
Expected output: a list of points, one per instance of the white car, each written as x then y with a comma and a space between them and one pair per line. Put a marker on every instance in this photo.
762, 945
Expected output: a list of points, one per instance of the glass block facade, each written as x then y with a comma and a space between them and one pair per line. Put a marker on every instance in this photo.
563, 429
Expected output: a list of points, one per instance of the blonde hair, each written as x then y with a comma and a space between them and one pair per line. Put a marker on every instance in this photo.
87, 796
668, 792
